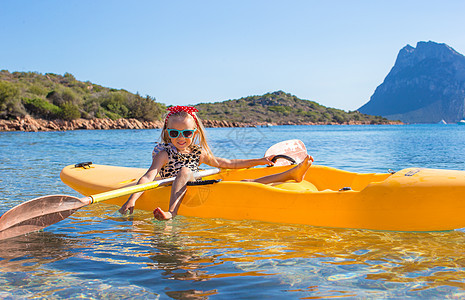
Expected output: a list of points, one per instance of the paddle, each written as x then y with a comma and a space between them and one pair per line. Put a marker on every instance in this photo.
41, 212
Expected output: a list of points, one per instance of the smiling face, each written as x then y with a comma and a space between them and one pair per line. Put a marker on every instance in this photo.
181, 123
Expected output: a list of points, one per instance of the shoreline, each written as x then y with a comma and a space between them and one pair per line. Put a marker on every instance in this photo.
30, 124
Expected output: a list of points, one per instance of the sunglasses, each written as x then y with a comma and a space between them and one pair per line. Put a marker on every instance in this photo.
187, 133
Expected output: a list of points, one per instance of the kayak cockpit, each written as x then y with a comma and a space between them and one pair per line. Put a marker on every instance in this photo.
318, 178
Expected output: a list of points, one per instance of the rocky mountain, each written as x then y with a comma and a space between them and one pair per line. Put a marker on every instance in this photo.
426, 85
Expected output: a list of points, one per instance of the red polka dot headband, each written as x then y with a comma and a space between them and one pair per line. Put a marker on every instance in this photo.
178, 108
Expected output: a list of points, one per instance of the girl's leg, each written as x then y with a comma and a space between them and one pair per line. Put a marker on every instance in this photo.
178, 190
297, 173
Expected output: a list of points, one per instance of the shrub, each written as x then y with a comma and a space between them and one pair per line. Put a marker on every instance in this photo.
37, 90
41, 108
111, 115
115, 103
61, 96
55, 98
10, 102
144, 108
69, 111
70, 97
8, 92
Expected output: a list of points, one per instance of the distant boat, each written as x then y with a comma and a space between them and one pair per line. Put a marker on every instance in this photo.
461, 122
442, 122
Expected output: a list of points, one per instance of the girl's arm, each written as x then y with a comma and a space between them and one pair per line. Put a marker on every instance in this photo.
159, 160
225, 163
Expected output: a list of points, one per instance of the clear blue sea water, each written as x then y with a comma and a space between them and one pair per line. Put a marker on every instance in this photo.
97, 253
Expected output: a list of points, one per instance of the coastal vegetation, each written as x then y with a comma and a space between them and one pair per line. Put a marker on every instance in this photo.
51, 97
281, 108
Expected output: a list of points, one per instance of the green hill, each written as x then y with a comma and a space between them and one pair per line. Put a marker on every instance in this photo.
52, 96
281, 108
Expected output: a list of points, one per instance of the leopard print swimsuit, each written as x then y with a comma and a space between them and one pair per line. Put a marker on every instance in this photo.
178, 160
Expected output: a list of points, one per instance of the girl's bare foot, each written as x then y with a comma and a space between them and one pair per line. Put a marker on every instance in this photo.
298, 172
161, 215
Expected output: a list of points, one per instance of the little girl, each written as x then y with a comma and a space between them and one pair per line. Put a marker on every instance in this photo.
184, 148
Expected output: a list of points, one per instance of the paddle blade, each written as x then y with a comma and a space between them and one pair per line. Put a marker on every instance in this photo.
293, 148
38, 213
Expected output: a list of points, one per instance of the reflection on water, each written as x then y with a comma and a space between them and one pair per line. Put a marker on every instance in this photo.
335, 261
26, 253
199, 258
43, 265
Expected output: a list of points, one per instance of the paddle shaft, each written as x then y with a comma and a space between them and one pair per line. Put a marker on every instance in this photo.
144, 186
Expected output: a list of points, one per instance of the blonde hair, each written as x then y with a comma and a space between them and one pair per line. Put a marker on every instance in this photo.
200, 139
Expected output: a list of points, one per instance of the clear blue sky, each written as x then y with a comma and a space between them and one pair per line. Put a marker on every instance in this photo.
185, 52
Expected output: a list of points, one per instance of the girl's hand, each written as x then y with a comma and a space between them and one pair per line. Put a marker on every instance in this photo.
129, 205
267, 160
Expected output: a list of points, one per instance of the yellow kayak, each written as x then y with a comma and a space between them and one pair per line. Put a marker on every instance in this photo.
414, 199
